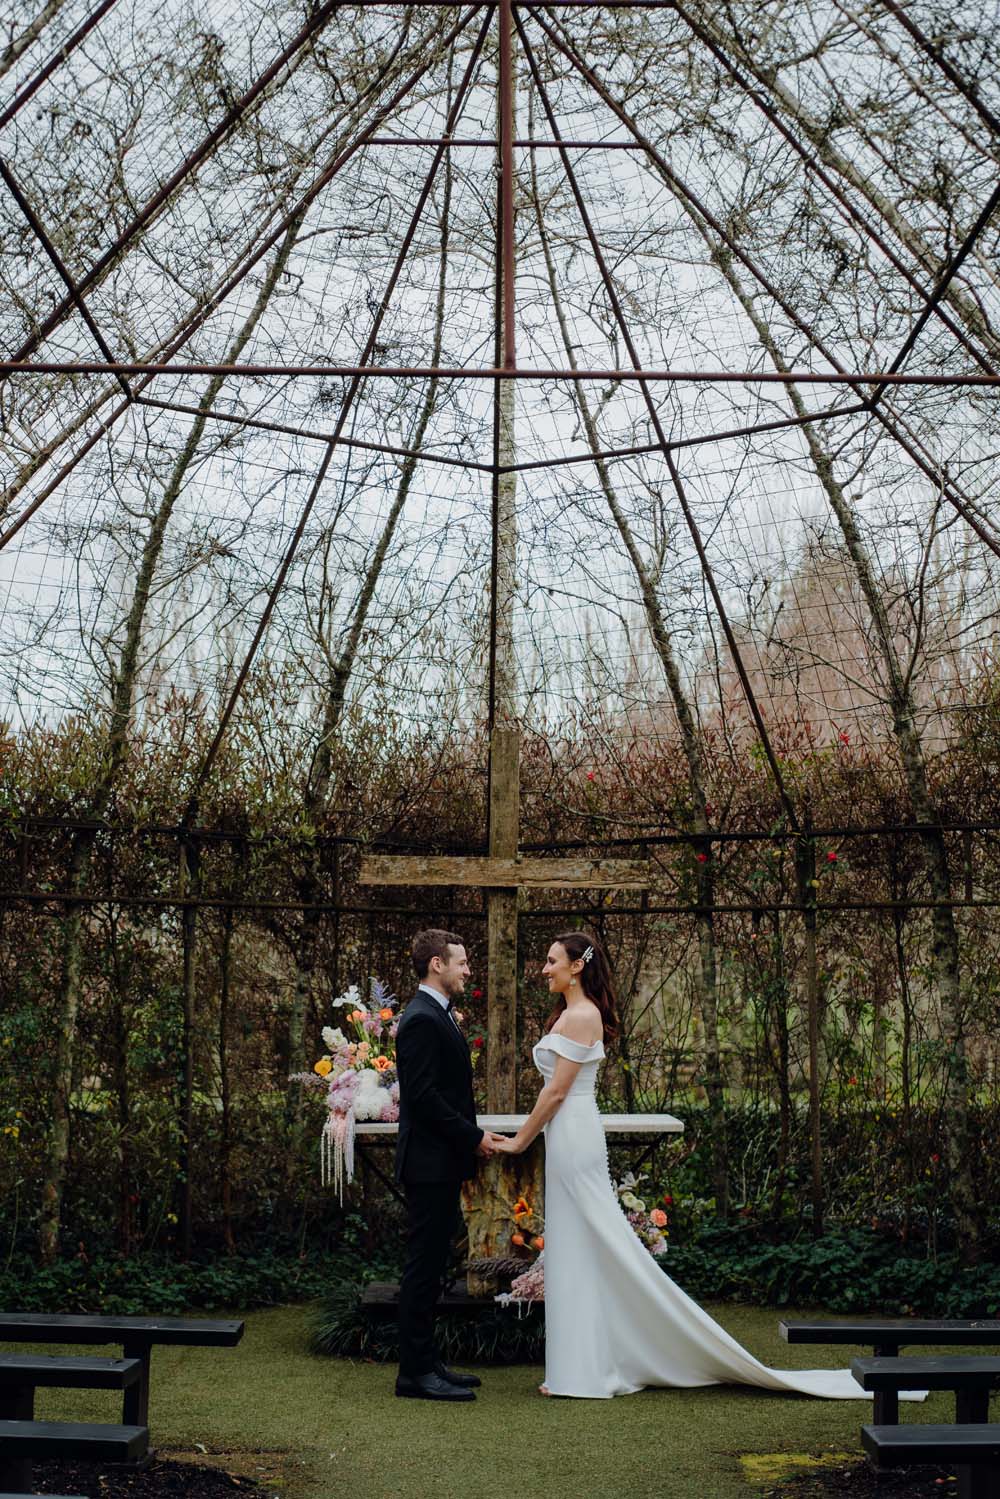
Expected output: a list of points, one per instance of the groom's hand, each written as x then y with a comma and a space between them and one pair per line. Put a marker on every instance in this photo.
488, 1144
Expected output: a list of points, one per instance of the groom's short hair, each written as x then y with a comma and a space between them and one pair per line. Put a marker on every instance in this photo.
433, 943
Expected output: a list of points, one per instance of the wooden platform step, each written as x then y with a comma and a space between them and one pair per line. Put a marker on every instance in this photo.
960, 1372
68, 1373
58, 1327
888, 1335
21, 1441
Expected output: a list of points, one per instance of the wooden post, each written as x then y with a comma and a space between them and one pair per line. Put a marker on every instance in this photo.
505, 746
501, 1067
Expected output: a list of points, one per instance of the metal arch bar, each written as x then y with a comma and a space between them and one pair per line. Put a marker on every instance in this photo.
61, 54
491, 143
654, 417
506, 59
779, 424
255, 424
453, 116
462, 372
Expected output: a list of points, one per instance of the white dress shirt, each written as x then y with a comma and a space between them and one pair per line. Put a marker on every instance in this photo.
443, 1001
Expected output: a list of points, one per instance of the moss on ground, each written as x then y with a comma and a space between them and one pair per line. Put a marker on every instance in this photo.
322, 1427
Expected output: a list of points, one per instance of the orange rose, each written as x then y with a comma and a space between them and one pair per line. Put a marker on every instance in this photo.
385, 1014
517, 1239
538, 1243
323, 1066
659, 1217
381, 1064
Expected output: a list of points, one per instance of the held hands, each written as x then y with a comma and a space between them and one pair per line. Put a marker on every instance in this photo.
491, 1143
508, 1146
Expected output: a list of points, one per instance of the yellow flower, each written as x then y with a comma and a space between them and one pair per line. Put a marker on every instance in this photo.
323, 1066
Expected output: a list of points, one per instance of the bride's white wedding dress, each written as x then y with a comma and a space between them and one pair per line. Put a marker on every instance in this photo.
614, 1322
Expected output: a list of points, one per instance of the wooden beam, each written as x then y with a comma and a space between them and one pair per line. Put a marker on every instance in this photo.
496, 873
501, 920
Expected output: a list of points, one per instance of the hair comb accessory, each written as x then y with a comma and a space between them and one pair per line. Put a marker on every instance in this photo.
588, 955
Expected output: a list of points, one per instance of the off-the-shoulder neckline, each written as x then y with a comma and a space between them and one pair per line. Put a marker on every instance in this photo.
587, 1046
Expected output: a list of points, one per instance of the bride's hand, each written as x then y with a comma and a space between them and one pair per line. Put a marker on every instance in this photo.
507, 1147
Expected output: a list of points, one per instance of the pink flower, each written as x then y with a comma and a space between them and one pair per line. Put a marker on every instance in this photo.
659, 1217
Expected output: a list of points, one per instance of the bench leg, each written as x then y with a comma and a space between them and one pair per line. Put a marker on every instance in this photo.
885, 1405
979, 1482
18, 1404
885, 1408
972, 1407
135, 1406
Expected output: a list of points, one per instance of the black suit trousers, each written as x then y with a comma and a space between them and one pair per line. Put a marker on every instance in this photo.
433, 1211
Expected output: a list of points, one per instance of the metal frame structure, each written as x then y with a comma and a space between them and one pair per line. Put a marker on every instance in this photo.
515, 22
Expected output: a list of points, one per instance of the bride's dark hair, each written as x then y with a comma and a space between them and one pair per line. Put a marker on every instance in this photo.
595, 978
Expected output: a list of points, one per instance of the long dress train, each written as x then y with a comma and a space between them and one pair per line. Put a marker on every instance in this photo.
614, 1322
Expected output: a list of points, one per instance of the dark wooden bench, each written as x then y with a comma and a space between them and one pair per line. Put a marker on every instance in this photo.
973, 1450
21, 1441
886, 1337
136, 1335
971, 1378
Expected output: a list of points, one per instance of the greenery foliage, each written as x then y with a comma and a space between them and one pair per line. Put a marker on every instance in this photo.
252, 1154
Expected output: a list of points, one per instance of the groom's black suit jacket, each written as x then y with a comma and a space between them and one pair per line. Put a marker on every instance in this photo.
438, 1133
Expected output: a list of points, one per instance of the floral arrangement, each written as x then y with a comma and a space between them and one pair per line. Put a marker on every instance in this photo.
528, 1227
650, 1227
358, 1071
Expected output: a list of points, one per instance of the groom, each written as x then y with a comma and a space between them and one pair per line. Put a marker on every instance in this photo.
439, 1141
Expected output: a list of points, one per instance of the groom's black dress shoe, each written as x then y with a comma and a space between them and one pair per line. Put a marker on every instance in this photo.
464, 1381
431, 1387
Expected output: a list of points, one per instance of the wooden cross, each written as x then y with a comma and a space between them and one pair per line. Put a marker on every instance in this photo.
504, 873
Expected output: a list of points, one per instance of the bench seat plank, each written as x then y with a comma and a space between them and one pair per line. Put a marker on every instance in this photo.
83, 1440
68, 1373
958, 1373
55, 1327
881, 1332
901, 1445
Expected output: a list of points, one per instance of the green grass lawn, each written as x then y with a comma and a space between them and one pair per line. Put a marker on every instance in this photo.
326, 1427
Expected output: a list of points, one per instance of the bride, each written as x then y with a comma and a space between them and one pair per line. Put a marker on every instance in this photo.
614, 1322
